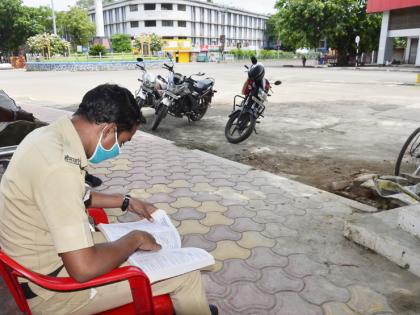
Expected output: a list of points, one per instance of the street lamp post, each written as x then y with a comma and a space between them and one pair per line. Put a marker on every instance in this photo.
357, 40
53, 16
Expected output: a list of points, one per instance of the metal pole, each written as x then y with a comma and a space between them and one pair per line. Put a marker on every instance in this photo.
53, 16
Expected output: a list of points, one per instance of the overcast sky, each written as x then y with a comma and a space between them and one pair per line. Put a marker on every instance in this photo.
260, 6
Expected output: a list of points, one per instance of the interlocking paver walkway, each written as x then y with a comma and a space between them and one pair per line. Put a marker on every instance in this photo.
278, 244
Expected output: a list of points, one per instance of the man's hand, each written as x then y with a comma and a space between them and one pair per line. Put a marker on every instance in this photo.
143, 209
23, 115
148, 242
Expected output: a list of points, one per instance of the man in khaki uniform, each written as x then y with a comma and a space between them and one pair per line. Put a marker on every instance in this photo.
43, 199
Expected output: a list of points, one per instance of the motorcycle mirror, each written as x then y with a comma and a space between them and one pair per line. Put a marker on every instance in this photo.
169, 55
277, 83
246, 66
254, 60
140, 59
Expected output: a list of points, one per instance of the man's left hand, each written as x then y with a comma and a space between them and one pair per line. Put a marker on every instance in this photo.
141, 208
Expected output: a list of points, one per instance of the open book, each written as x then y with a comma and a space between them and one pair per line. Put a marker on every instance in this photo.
171, 260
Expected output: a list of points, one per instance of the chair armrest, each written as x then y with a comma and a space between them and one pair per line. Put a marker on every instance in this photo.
68, 284
98, 215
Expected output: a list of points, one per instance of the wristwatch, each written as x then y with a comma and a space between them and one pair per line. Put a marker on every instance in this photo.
125, 203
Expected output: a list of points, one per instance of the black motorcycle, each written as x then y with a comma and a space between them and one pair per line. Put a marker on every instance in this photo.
245, 113
184, 96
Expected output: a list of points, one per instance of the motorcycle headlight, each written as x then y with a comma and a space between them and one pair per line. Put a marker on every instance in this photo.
262, 95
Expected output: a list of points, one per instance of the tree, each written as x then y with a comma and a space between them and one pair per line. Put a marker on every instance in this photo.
303, 23
47, 44
75, 26
18, 22
121, 43
145, 41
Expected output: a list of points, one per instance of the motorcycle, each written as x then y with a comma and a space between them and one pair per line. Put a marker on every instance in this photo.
245, 115
184, 96
151, 87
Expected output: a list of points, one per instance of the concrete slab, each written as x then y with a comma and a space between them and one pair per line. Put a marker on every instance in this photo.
381, 233
409, 219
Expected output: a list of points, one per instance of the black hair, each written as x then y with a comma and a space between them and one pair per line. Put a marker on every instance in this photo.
110, 103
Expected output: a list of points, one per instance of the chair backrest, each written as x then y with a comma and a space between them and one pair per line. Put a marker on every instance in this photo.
9, 273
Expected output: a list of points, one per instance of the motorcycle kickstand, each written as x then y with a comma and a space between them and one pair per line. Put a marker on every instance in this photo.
255, 130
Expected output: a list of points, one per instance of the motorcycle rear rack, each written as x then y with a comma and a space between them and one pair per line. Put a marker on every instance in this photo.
234, 101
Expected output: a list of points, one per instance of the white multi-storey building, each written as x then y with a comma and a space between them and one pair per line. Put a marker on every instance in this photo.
202, 22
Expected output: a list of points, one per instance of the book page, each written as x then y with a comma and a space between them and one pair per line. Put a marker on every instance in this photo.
172, 262
162, 229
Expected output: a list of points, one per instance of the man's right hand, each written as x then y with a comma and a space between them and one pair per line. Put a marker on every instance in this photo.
147, 242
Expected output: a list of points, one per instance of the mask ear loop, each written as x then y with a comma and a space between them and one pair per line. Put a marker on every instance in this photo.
98, 144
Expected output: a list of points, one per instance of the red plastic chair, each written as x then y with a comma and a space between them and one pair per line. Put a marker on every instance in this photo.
143, 301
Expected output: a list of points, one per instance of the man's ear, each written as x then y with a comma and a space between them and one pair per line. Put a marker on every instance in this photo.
109, 131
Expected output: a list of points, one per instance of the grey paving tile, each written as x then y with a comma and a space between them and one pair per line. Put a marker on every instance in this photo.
275, 279
218, 175
198, 240
140, 184
161, 198
275, 230
259, 205
183, 192
286, 246
116, 174
188, 214
159, 180
118, 182
319, 290
300, 265
235, 270
290, 303
222, 232
139, 176
221, 182
212, 287
246, 297
199, 179
207, 196
154, 173
243, 186
246, 224
175, 176
266, 216
196, 172
239, 212
262, 257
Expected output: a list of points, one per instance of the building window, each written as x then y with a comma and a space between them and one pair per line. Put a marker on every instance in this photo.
182, 23
134, 7
167, 23
182, 7
134, 24
150, 23
149, 6
166, 6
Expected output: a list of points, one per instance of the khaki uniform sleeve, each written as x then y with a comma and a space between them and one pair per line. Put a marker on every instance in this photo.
59, 195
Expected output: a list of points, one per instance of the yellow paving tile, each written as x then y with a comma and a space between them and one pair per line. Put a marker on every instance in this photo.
230, 250
140, 194
216, 218
192, 227
176, 223
214, 268
334, 308
180, 183
159, 188
252, 239
121, 165
185, 202
100, 170
203, 187
211, 206
166, 207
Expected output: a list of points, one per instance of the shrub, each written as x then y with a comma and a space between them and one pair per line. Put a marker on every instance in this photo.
97, 49
121, 43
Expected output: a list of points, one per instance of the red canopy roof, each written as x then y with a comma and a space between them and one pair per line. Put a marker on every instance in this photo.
386, 5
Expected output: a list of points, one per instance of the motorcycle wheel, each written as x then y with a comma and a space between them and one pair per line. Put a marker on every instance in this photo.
160, 114
408, 160
239, 127
196, 116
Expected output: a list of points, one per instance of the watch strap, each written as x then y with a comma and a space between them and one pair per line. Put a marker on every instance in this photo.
126, 202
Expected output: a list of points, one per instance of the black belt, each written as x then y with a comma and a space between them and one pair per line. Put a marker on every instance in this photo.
28, 293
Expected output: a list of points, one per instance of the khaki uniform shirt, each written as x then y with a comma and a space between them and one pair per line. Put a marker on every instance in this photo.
42, 212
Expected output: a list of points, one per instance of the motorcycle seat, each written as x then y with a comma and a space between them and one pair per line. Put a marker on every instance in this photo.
203, 85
